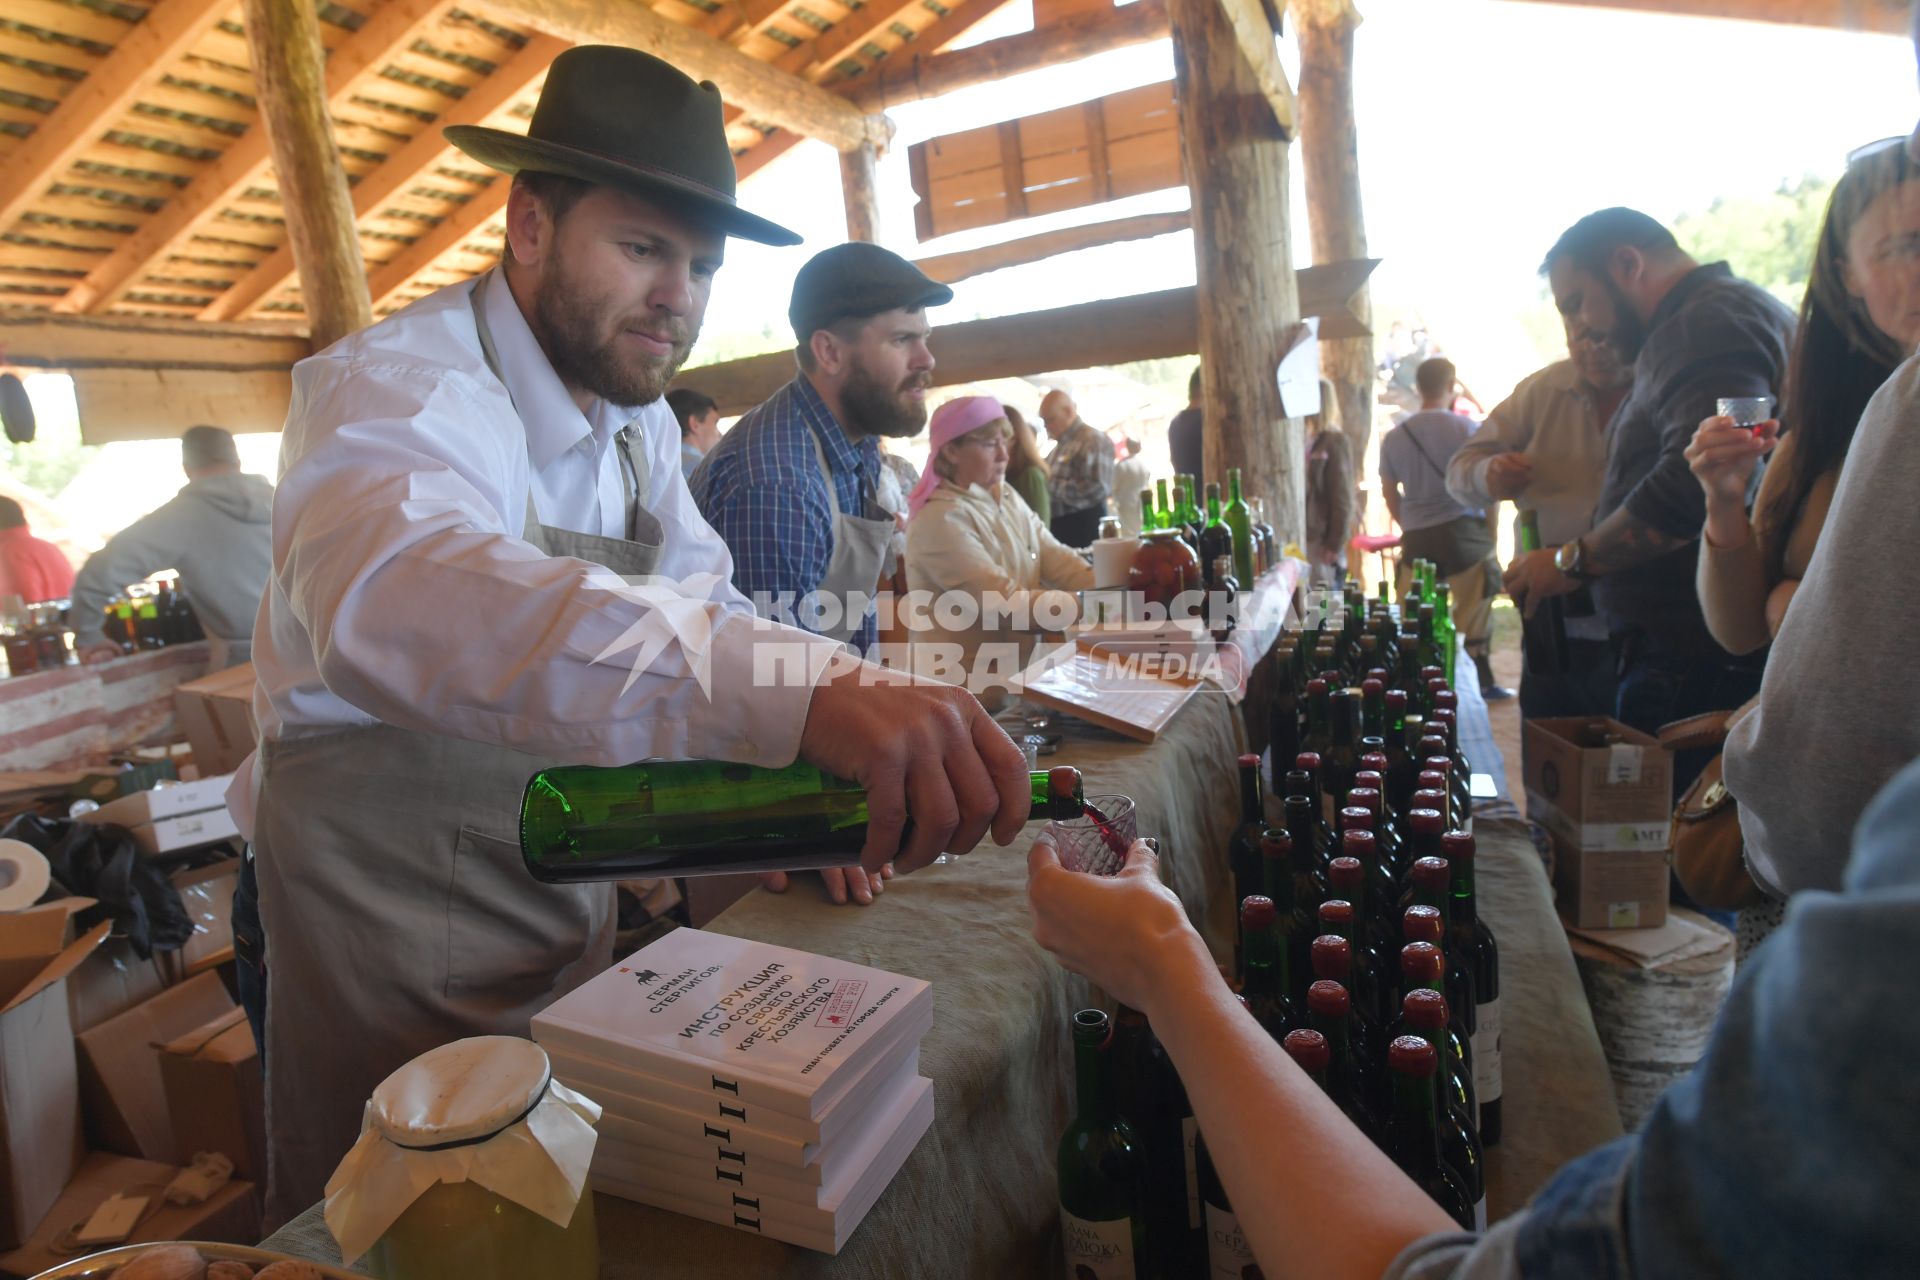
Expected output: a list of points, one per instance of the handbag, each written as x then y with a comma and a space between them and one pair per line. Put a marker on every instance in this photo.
1709, 857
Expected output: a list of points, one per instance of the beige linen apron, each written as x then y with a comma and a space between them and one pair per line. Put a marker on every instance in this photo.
859, 554
397, 911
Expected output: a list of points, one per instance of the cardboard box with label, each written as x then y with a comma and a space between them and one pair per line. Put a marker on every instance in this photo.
169, 819
120, 1079
229, 1214
1604, 792
39, 1089
215, 713
215, 1095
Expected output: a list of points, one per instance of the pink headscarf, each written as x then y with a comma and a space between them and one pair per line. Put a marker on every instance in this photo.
950, 421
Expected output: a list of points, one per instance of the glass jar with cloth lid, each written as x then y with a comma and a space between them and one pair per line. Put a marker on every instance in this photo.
471, 1165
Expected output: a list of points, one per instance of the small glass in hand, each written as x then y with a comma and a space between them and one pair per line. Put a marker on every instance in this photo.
1097, 841
1746, 411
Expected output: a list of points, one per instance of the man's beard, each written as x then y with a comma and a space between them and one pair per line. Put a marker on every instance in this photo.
574, 334
1629, 333
876, 409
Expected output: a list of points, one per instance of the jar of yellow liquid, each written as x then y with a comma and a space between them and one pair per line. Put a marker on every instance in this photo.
471, 1165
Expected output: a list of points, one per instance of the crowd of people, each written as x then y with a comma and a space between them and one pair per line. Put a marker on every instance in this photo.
1726, 565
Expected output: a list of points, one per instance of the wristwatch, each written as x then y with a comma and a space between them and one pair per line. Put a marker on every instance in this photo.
1571, 559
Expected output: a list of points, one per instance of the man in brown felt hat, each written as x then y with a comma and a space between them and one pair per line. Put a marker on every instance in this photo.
485, 562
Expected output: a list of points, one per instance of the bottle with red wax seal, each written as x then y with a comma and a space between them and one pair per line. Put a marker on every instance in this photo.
1265, 980
1330, 1011
1425, 1015
1413, 1128
1469, 938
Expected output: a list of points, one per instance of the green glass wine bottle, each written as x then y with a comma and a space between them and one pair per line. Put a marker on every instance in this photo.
1101, 1181
707, 817
1149, 518
1239, 518
1413, 1132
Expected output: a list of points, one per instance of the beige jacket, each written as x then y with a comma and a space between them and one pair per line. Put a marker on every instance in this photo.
981, 541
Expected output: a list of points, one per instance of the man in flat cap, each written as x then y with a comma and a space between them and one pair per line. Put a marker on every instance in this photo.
480, 514
792, 487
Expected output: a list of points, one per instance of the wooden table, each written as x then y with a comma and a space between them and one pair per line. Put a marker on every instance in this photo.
977, 1196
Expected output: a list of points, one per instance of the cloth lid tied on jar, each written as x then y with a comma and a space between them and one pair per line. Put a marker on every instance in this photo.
485, 1109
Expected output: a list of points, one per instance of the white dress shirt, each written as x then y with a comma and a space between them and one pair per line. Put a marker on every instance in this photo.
402, 592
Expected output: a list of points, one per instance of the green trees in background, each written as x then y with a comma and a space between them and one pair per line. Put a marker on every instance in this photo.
1769, 239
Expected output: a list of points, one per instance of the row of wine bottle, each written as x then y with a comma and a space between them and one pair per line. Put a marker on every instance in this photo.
1361, 951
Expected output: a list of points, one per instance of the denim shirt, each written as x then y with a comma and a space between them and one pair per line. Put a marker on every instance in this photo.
1790, 1150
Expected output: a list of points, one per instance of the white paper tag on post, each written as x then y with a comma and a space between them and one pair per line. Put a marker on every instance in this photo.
1623, 764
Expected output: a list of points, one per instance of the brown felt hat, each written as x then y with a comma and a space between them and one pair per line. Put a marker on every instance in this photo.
622, 118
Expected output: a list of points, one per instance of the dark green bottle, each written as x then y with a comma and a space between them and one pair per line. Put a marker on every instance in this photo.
1239, 518
1413, 1131
1469, 938
1265, 982
1216, 539
1424, 1014
707, 817
1100, 1170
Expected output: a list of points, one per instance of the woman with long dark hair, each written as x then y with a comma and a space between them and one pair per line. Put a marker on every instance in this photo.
1860, 318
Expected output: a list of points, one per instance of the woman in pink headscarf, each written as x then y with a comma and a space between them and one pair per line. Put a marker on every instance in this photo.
968, 531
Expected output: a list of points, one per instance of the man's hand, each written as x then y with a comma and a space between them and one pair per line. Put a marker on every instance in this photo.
1534, 577
1508, 475
919, 748
840, 883
1127, 933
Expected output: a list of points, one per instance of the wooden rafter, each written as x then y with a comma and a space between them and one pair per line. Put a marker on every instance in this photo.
904, 78
245, 163
951, 268
135, 65
825, 55
1253, 30
394, 275
492, 98
762, 91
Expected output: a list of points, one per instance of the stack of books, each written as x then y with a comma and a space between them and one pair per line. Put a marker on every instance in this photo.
754, 1086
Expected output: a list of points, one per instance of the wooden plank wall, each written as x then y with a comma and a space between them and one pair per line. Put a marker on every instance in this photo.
1107, 149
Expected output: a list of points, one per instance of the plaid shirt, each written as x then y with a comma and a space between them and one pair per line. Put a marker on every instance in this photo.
1080, 470
762, 491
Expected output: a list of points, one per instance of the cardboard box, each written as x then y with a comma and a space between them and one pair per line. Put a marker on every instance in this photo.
1599, 785
1610, 889
215, 1094
207, 894
126, 1099
183, 816
1604, 792
216, 714
111, 981
39, 1087
230, 1215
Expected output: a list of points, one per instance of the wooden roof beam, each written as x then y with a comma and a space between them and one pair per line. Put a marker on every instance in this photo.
244, 163
1080, 35
951, 268
1884, 17
1254, 33
761, 91
97, 102
825, 53
510, 82
1143, 326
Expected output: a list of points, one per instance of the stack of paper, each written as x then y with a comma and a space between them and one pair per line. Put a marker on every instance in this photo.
753, 1086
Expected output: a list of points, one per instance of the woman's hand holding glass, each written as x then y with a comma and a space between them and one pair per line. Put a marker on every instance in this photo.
1723, 456
1126, 933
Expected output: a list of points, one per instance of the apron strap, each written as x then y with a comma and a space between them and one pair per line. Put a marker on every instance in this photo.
636, 472
826, 472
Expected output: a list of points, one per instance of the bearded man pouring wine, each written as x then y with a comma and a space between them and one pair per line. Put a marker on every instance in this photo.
480, 507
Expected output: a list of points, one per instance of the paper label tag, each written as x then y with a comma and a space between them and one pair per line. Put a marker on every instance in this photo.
1623, 764
1098, 1250
1229, 1256
1189, 1130
1623, 915
1486, 1051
